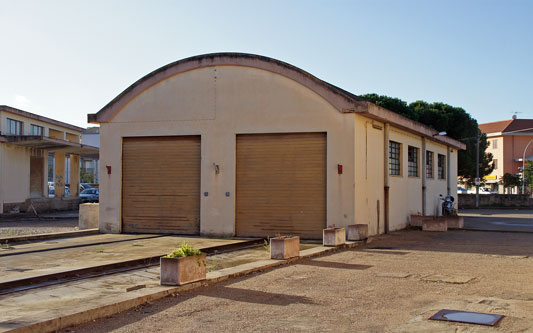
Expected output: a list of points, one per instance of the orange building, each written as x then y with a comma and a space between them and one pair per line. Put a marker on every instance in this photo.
509, 140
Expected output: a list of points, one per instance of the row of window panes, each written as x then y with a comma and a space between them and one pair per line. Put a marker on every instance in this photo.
412, 161
394, 158
14, 127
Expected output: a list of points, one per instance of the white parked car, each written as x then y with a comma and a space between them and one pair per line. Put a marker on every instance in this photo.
482, 190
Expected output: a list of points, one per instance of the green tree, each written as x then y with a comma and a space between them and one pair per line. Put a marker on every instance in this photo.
510, 181
86, 177
458, 125
528, 174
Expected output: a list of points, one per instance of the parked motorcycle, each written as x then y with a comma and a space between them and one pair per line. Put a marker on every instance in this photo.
447, 205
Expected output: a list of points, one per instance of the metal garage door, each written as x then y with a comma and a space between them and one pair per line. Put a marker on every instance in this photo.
161, 185
281, 184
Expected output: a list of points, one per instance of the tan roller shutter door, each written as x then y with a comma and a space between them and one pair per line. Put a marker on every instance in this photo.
281, 184
161, 185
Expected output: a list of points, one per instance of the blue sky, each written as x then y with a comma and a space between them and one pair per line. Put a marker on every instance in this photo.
64, 59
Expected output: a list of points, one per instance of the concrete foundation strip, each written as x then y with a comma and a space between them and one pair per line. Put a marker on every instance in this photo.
53, 235
48, 325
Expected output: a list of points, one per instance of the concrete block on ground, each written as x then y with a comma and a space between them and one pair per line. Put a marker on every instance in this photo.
455, 222
284, 247
357, 232
418, 220
439, 224
88, 218
333, 236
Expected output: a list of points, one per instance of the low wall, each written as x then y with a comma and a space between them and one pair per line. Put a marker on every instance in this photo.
495, 201
44, 205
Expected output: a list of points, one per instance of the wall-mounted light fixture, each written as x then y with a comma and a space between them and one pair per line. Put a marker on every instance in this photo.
440, 133
217, 168
339, 169
108, 167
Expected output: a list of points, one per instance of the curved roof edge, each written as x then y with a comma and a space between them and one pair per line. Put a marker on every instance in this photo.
342, 100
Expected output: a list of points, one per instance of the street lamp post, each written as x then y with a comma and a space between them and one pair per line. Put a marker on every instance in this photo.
477, 170
524, 166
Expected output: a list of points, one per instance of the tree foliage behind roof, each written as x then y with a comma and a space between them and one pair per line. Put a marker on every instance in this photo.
457, 123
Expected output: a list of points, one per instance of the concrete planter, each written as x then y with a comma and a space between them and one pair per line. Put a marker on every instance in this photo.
357, 232
455, 222
284, 247
418, 220
439, 224
183, 270
333, 236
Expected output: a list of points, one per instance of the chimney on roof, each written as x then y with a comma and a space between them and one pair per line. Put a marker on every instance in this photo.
514, 116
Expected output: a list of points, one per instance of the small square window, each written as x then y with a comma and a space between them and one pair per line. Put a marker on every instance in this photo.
441, 166
394, 158
36, 130
412, 161
14, 127
429, 164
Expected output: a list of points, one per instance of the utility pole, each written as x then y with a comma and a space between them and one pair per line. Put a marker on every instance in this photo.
477, 170
524, 168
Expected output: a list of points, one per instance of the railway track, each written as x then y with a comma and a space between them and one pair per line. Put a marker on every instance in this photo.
47, 280
73, 246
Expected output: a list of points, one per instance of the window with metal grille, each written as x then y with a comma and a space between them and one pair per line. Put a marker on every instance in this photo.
394, 158
429, 164
441, 167
36, 130
14, 127
412, 161
495, 163
494, 144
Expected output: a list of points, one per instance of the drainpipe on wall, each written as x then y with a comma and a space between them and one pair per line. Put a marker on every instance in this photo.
448, 165
423, 170
386, 177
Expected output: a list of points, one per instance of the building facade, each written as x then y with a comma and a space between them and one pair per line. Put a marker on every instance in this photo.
508, 140
27, 141
243, 145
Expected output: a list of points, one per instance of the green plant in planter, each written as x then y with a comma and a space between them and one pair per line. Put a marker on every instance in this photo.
185, 250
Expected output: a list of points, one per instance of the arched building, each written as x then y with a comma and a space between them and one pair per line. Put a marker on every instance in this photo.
238, 144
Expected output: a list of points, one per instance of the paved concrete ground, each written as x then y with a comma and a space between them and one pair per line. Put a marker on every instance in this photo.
498, 219
394, 284
77, 298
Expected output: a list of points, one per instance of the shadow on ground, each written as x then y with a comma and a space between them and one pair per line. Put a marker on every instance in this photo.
458, 241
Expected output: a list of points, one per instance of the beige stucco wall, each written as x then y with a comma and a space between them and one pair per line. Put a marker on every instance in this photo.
218, 103
405, 194
369, 174
14, 174
15, 161
435, 186
497, 153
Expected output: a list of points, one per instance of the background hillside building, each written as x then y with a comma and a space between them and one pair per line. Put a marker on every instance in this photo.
244, 145
508, 140
27, 142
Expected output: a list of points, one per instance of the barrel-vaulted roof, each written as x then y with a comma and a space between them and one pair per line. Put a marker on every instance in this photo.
340, 99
